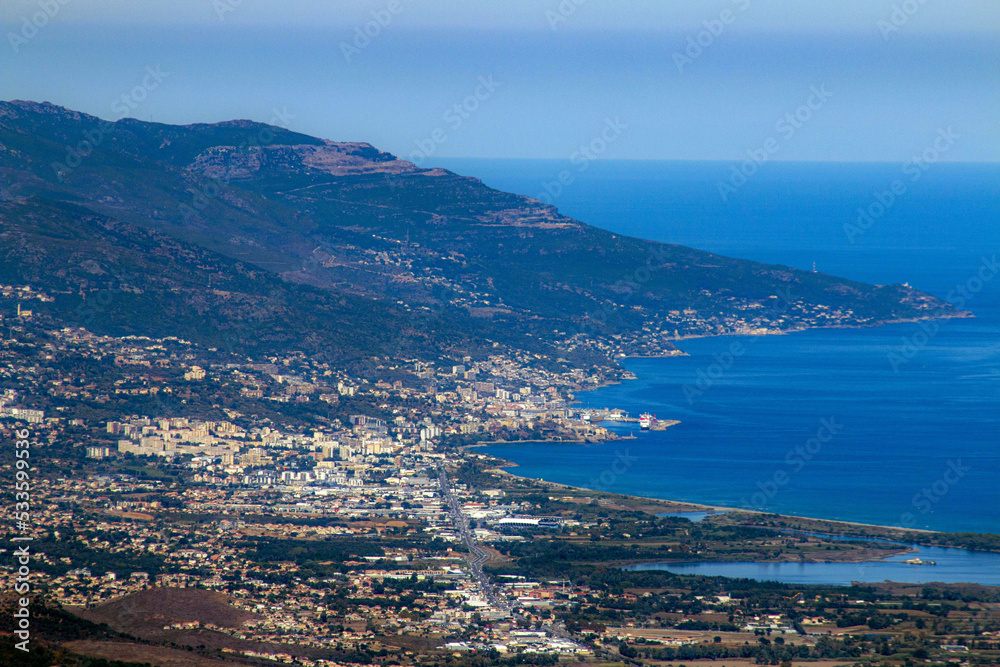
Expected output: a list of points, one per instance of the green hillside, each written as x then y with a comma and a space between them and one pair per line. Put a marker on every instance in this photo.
208, 230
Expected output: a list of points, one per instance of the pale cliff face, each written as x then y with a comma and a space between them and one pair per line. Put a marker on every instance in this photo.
336, 159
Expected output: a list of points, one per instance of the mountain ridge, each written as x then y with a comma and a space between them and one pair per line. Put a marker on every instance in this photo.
346, 218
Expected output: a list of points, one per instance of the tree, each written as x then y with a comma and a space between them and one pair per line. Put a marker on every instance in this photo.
627, 651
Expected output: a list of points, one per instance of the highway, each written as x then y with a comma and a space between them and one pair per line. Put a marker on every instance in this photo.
478, 555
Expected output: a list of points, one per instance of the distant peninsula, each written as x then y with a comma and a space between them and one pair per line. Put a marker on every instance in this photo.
258, 238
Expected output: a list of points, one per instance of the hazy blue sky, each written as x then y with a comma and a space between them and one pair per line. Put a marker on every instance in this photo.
890, 74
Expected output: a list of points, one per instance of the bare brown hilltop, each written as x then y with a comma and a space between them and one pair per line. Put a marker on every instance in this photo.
342, 248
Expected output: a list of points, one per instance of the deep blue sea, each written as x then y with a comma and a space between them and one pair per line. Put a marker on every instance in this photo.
824, 423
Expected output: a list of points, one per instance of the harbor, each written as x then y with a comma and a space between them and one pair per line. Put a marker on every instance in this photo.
646, 421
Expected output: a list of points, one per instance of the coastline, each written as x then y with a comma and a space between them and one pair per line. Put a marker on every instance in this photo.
856, 528
663, 425
958, 314
685, 506
568, 441
851, 529
678, 352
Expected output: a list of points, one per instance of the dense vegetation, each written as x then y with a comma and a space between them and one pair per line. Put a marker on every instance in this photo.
244, 236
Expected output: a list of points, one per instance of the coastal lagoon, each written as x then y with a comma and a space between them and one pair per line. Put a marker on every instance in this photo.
952, 566
896, 425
